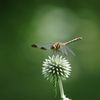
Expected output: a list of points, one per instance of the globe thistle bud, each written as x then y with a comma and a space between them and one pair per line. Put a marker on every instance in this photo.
55, 68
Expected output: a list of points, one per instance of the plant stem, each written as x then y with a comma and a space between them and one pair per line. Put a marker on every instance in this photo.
61, 88
63, 97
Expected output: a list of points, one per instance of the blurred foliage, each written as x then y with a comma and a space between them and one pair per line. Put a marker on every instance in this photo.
25, 22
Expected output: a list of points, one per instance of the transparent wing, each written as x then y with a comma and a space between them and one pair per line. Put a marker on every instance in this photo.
63, 50
70, 50
43, 46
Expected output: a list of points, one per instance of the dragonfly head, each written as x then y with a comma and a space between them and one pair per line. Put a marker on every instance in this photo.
53, 47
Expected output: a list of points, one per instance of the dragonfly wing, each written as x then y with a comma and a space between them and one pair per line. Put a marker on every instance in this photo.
70, 50
43, 46
63, 50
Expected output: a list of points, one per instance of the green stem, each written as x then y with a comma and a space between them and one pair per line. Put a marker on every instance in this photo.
61, 88
63, 97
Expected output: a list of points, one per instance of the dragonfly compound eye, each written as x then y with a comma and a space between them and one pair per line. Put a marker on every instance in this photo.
52, 47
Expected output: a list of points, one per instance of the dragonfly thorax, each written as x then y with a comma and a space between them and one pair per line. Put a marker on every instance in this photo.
56, 46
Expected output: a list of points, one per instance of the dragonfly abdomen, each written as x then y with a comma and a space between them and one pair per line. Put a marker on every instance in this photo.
76, 39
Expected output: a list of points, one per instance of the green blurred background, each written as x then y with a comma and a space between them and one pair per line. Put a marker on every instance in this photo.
25, 22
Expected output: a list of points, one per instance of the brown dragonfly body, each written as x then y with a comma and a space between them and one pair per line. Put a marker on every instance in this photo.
56, 46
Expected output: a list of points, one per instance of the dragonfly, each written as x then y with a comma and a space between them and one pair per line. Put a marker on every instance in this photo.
57, 47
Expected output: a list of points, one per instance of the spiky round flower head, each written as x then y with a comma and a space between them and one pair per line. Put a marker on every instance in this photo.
55, 68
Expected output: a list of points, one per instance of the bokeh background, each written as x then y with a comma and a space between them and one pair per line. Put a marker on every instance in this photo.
25, 22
